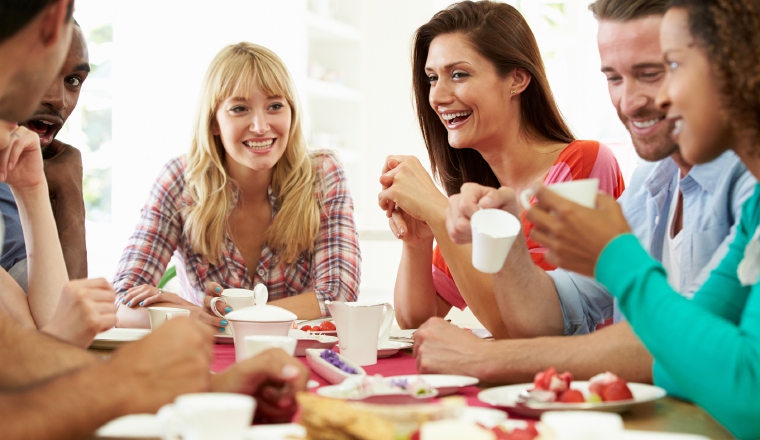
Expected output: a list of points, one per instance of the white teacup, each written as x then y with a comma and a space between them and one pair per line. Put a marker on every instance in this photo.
493, 232
236, 299
361, 327
582, 192
207, 416
159, 315
255, 344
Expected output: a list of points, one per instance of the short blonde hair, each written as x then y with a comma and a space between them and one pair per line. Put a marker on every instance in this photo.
296, 184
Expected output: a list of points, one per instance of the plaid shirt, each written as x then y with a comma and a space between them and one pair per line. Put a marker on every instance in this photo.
332, 269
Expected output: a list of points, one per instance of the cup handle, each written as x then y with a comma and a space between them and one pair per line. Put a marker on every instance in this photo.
385, 327
525, 197
214, 300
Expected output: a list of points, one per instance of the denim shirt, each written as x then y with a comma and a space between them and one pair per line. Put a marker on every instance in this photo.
713, 194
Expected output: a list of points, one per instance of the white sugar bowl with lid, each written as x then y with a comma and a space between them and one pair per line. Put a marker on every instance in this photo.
260, 319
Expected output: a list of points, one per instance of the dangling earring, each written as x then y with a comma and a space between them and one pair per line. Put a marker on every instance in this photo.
513, 92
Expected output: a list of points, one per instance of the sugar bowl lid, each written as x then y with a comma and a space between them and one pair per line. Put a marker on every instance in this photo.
261, 311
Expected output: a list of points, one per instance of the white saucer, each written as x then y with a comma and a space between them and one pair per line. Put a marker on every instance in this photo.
445, 383
392, 347
113, 338
141, 426
283, 431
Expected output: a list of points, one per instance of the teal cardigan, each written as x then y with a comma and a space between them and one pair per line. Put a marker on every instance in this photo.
706, 349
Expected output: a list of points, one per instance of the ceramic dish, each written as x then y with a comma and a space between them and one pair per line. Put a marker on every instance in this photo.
380, 390
142, 426
390, 348
113, 338
284, 431
314, 342
445, 383
328, 371
506, 397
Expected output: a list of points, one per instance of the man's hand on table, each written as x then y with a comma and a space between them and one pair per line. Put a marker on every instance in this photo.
440, 347
86, 308
175, 359
272, 377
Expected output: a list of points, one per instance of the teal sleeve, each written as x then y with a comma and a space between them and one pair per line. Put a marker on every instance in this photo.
706, 349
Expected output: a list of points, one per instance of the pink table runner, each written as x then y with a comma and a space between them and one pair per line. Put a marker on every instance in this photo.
398, 364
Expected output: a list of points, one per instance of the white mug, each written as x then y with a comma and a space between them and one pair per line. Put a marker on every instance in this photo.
582, 192
255, 344
159, 315
493, 232
207, 416
236, 299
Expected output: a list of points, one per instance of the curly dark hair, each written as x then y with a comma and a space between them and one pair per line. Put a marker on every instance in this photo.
729, 32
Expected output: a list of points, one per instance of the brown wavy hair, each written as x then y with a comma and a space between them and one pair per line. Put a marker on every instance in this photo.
729, 33
499, 33
626, 10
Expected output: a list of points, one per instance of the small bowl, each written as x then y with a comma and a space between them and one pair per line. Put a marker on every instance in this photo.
328, 371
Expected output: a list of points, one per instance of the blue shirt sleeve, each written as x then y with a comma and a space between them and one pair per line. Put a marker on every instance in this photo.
14, 248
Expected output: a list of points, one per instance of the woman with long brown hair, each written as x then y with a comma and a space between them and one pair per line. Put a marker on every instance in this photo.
488, 116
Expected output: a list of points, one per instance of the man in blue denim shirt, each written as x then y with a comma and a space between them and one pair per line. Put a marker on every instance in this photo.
685, 216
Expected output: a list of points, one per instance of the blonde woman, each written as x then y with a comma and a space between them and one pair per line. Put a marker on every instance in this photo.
248, 204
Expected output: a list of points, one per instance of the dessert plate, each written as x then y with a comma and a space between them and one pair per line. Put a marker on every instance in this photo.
445, 383
390, 348
507, 397
376, 390
113, 338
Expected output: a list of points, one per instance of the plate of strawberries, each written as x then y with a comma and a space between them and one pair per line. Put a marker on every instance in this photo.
552, 391
323, 327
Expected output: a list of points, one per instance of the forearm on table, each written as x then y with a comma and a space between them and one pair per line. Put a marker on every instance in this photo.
70, 406
414, 295
69, 213
32, 357
526, 296
47, 268
304, 305
615, 348
476, 287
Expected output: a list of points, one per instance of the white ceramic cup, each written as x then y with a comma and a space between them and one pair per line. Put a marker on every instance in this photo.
582, 192
580, 425
493, 232
207, 416
236, 299
159, 315
360, 326
255, 344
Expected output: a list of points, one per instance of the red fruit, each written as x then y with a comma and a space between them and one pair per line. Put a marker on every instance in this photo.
596, 388
571, 396
544, 379
307, 328
317, 328
616, 391
328, 326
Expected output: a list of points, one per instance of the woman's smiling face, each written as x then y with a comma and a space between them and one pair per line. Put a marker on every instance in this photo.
690, 95
466, 92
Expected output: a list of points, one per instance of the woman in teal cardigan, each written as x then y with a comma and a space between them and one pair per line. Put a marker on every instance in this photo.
707, 349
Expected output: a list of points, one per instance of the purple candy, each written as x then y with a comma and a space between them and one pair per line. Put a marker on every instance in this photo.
332, 357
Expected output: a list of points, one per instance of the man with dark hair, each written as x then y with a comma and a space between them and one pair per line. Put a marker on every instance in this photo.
685, 215
63, 171
50, 389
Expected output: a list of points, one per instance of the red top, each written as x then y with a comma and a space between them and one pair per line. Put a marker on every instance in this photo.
579, 160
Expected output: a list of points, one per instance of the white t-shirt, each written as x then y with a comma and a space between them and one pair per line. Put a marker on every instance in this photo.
671, 249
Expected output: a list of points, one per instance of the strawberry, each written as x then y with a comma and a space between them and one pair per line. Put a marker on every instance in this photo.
550, 380
571, 396
617, 390
542, 381
328, 326
317, 328
306, 328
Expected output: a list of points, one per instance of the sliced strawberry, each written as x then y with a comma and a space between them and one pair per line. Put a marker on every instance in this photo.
306, 328
543, 380
317, 328
328, 326
571, 396
566, 377
616, 391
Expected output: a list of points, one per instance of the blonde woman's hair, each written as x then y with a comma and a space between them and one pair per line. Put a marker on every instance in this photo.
295, 182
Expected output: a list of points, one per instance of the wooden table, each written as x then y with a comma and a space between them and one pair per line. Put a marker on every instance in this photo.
664, 415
